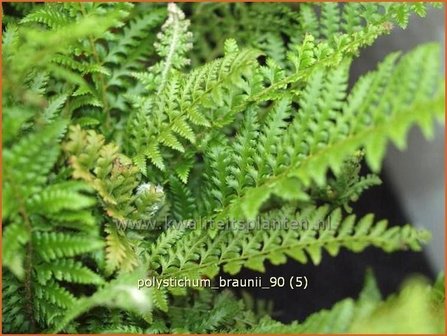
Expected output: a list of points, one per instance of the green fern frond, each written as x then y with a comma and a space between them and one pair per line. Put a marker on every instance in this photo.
67, 270
55, 294
138, 29
174, 42
347, 185
183, 205
124, 295
120, 253
194, 149
49, 15
54, 107
13, 305
301, 236
160, 299
58, 197
58, 245
398, 111
34, 154
15, 237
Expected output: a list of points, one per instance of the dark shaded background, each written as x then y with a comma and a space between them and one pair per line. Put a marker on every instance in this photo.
340, 277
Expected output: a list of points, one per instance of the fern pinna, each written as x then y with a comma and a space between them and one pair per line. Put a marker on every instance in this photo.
138, 140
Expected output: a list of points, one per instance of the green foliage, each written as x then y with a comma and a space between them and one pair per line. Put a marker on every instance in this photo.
264, 27
412, 309
301, 236
140, 142
37, 206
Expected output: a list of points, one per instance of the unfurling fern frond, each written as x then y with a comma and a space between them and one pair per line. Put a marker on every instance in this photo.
113, 176
174, 42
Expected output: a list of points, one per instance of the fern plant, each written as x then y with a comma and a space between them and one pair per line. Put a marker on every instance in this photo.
140, 143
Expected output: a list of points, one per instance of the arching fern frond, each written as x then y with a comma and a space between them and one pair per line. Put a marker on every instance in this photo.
325, 139
198, 150
183, 106
301, 236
